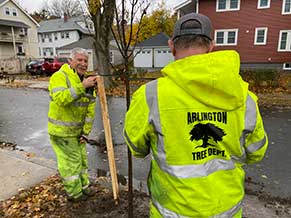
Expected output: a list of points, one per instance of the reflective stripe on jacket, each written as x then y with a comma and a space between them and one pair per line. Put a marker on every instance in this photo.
72, 110
201, 124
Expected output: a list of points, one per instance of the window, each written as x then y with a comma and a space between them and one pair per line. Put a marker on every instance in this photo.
286, 9
48, 51
261, 36
20, 49
227, 5
6, 11
287, 66
285, 40
226, 37
23, 32
159, 51
264, 4
14, 12
62, 35
56, 36
67, 35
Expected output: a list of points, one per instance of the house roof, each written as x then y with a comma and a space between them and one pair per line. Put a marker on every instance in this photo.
13, 23
60, 24
161, 39
2, 2
86, 43
181, 4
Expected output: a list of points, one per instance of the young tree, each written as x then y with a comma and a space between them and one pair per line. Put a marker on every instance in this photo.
128, 12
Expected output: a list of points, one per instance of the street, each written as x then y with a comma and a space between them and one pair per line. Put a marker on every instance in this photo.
23, 120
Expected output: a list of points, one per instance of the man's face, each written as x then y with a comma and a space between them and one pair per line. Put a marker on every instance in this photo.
79, 63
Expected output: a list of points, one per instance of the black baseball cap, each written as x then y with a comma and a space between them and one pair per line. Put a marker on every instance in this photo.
193, 24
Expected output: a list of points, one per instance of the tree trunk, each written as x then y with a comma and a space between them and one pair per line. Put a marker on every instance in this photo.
103, 66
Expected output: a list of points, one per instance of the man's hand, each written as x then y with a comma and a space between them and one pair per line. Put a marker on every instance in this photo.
89, 82
83, 139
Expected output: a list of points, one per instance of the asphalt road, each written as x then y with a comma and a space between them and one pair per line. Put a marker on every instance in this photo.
23, 120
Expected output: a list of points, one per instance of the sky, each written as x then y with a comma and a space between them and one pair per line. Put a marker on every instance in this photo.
34, 5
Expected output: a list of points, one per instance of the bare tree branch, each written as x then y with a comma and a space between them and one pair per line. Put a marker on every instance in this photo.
60, 7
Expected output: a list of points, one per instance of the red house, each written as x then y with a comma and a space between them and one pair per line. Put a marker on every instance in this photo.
260, 30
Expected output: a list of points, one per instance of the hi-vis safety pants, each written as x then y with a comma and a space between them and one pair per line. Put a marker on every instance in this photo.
72, 164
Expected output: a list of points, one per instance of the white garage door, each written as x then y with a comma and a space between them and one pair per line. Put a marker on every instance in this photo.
143, 58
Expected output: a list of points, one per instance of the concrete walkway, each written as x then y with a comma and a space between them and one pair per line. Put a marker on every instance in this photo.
19, 173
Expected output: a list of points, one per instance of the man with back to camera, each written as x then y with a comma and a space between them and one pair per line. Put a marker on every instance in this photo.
70, 119
200, 123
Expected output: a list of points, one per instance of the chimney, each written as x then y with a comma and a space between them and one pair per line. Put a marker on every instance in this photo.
66, 17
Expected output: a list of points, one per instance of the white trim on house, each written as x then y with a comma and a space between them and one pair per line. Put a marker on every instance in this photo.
14, 11
264, 42
287, 47
6, 9
287, 66
227, 6
226, 37
3, 3
197, 6
284, 4
265, 6
182, 4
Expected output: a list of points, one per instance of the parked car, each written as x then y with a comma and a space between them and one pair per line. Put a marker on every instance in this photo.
51, 65
34, 67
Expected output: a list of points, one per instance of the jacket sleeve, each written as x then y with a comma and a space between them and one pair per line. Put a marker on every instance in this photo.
257, 141
137, 128
89, 119
61, 93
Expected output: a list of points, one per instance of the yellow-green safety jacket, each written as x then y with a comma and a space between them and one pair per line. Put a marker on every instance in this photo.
201, 125
71, 110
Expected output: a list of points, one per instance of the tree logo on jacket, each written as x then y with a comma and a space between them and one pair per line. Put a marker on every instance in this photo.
205, 132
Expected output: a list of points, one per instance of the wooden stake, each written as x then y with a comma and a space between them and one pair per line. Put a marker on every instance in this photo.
108, 137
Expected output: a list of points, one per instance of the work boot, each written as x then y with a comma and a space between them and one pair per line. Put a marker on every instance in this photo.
79, 199
89, 191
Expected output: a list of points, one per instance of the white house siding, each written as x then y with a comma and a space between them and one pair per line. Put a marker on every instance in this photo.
117, 57
55, 43
6, 50
143, 58
30, 45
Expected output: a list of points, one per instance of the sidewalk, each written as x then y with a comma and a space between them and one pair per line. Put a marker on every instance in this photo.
34, 84
17, 173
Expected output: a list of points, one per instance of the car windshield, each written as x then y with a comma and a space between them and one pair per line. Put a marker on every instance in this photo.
50, 60
32, 62
62, 60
